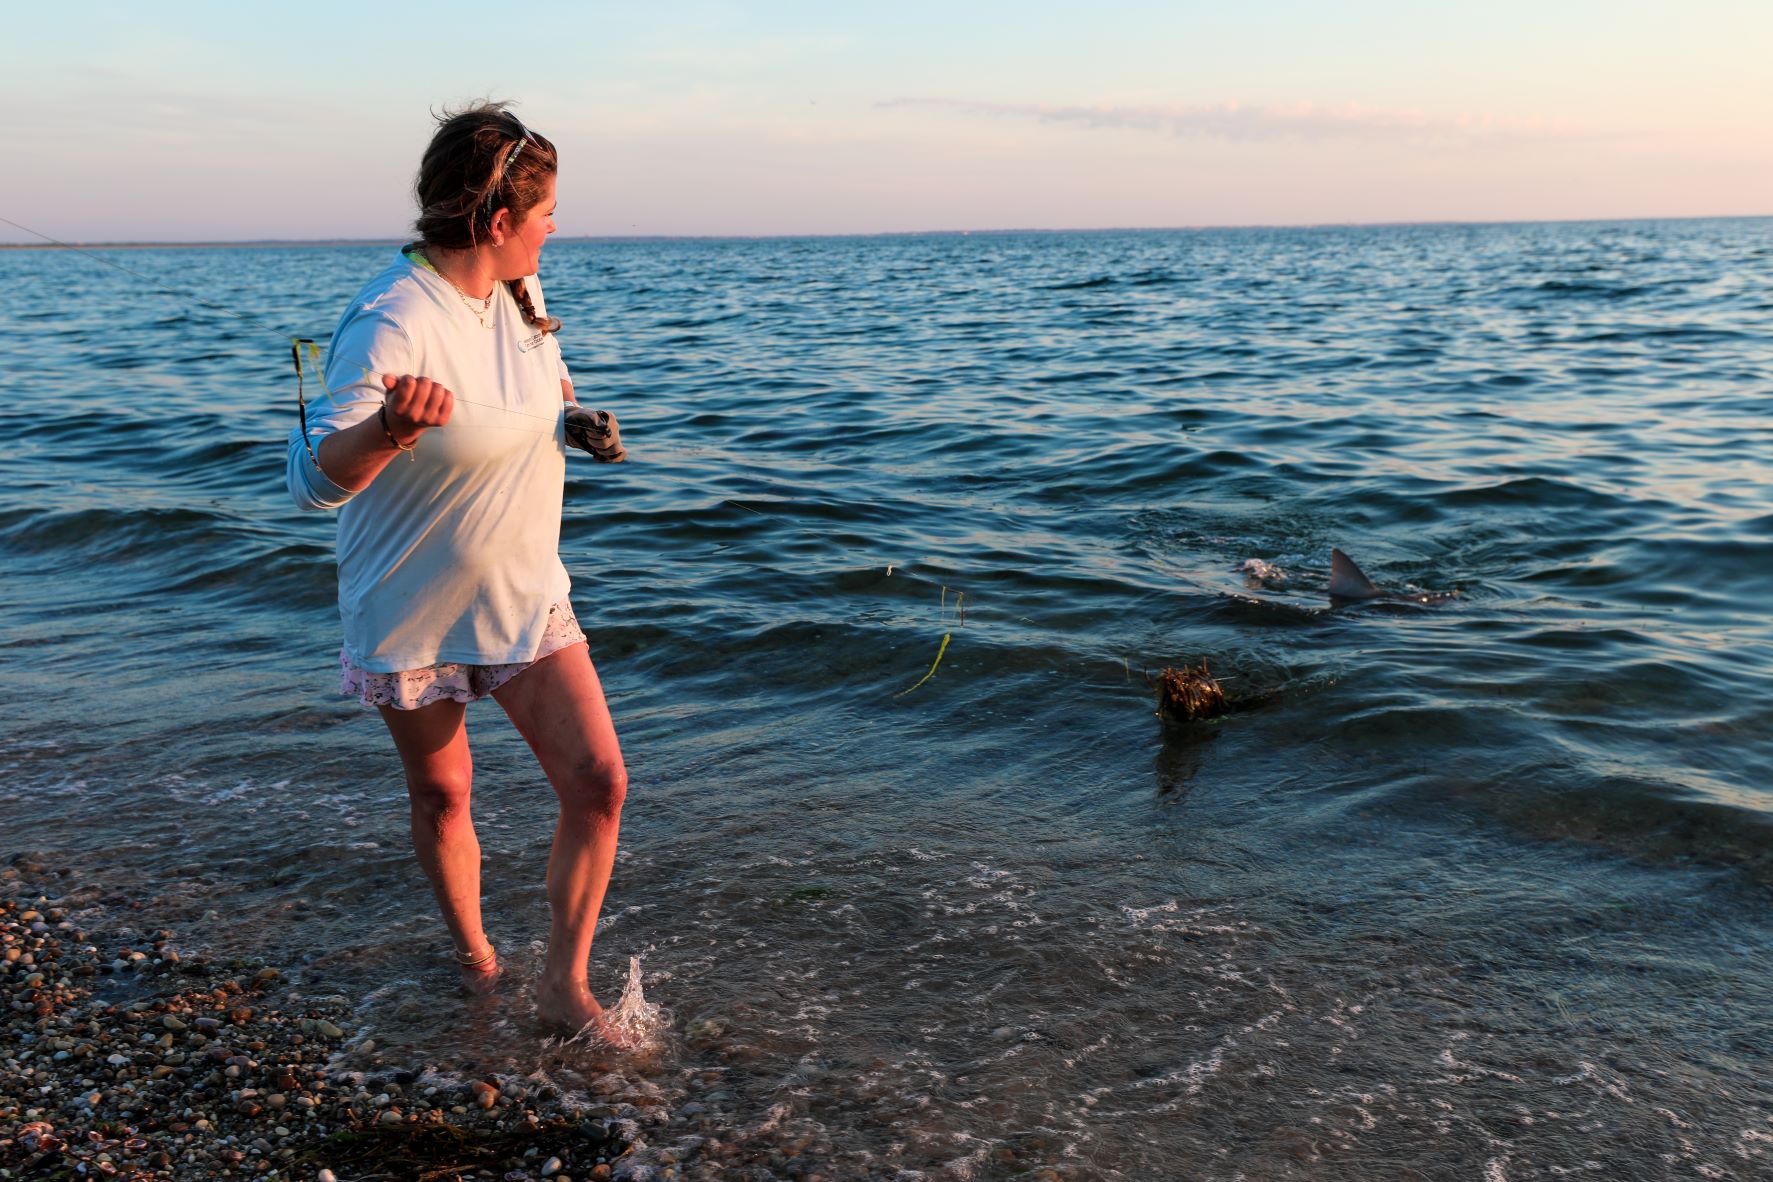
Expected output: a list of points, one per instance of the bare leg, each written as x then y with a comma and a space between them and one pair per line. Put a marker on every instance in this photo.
433, 746
557, 705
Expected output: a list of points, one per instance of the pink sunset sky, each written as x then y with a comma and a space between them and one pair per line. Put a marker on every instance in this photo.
205, 122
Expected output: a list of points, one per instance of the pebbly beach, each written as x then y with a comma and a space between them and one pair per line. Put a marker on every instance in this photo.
126, 1056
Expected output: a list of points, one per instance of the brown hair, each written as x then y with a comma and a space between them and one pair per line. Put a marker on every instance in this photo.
481, 160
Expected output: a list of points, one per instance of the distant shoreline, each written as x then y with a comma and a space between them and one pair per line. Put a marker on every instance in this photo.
308, 243
292, 243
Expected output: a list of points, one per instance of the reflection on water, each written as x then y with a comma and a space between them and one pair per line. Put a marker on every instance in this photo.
1474, 889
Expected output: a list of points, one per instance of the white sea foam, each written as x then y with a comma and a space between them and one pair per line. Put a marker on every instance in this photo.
633, 1022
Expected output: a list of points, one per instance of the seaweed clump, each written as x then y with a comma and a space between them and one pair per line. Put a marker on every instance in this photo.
1189, 694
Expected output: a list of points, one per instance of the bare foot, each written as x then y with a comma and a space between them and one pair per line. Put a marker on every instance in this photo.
569, 1007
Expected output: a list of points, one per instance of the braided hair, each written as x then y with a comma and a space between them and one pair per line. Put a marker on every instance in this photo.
483, 159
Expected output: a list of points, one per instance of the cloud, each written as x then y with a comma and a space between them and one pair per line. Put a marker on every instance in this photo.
1247, 122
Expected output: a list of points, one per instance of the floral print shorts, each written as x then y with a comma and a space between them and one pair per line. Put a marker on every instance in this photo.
410, 689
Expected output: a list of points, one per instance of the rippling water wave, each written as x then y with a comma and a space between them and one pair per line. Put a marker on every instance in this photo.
1467, 890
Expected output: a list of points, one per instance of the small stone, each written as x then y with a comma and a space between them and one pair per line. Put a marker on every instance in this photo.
328, 1030
552, 1167
391, 1117
172, 1023
326, 1176
268, 974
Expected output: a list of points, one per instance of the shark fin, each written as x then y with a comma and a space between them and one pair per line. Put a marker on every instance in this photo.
1347, 581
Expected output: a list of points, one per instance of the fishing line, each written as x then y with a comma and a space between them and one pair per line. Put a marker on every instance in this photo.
299, 347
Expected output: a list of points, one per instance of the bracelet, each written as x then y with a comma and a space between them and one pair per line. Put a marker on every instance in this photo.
408, 448
474, 962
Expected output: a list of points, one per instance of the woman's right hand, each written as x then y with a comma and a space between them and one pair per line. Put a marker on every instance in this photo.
415, 404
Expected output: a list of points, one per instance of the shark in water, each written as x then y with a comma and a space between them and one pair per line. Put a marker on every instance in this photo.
1349, 584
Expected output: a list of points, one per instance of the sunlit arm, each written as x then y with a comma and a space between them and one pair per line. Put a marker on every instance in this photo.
354, 456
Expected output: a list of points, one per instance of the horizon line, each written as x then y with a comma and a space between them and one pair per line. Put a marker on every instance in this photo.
48, 243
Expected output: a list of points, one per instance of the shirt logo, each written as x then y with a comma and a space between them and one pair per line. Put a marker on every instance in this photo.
529, 343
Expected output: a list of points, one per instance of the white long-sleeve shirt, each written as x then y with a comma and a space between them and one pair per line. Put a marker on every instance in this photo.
451, 554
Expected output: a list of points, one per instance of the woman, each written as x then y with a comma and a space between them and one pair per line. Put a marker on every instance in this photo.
442, 448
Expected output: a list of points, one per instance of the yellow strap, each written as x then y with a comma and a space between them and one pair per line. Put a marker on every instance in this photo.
945, 638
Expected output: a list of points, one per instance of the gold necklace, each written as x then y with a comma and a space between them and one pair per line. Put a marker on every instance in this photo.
481, 313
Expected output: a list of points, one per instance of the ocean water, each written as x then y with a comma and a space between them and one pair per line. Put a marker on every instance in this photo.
1476, 889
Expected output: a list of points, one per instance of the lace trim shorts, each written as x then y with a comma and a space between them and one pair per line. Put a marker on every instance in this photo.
410, 689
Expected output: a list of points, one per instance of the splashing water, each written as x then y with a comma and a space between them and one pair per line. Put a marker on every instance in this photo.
1257, 571
633, 1022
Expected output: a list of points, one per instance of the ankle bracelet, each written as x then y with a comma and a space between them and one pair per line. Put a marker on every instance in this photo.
470, 962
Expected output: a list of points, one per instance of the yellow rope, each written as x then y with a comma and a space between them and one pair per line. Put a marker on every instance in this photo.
945, 638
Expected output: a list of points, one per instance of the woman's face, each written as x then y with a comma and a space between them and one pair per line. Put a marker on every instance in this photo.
521, 251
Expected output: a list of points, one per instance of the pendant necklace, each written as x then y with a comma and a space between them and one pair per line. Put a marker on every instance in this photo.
480, 314
468, 301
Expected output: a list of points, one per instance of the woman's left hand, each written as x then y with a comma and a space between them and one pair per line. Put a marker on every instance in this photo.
595, 431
